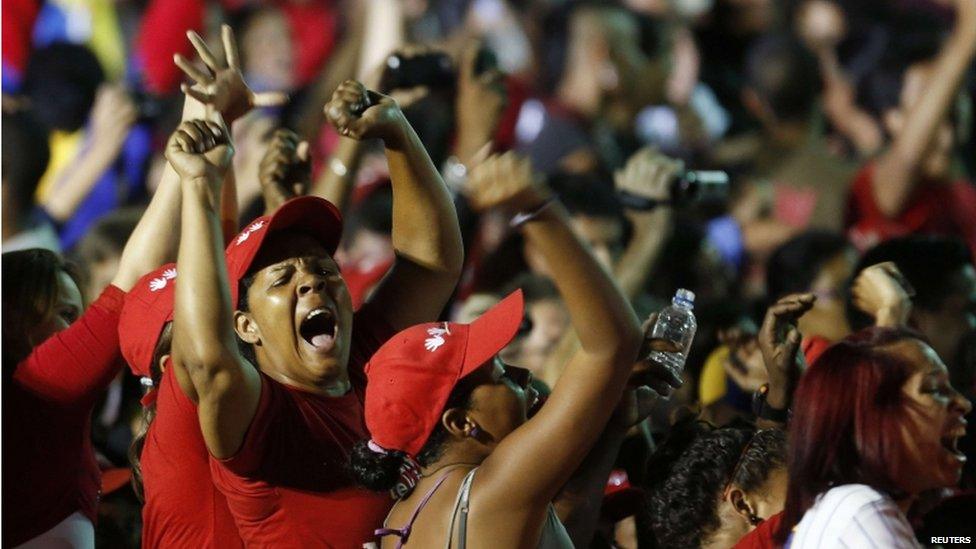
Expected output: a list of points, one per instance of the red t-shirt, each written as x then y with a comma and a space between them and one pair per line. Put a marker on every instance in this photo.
934, 207
762, 536
183, 508
49, 467
288, 485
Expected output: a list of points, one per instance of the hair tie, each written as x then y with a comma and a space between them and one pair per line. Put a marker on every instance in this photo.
376, 447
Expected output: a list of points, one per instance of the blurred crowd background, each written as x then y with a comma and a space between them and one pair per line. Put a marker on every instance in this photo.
845, 128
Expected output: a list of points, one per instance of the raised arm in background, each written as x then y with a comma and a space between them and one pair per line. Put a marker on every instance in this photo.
531, 465
883, 293
285, 169
426, 237
897, 170
226, 388
779, 341
112, 116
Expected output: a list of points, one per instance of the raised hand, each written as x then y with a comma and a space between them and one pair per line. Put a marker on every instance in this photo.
480, 103
222, 85
779, 341
821, 25
360, 113
113, 115
648, 174
882, 292
285, 169
200, 149
505, 181
647, 372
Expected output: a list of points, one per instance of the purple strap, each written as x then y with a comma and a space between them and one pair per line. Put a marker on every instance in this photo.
404, 533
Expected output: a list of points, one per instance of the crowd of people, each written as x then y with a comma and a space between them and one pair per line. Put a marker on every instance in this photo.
386, 273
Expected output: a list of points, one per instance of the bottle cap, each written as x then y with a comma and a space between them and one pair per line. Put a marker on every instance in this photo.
684, 295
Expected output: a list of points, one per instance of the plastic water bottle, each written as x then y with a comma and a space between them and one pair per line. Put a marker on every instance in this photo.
676, 323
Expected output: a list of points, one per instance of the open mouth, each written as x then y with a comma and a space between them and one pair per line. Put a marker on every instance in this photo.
319, 329
951, 444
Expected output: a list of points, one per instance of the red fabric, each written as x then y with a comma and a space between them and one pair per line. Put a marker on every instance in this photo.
313, 28
163, 34
18, 23
287, 486
813, 347
183, 507
413, 374
148, 307
360, 282
49, 468
945, 208
762, 536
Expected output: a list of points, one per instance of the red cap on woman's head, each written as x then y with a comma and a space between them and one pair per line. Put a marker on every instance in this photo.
412, 375
309, 214
148, 306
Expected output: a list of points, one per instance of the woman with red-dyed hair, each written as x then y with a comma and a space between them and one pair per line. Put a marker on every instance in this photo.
875, 423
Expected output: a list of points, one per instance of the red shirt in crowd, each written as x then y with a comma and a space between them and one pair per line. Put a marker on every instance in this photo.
288, 485
762, 536
49, 467
182, 507
946, 208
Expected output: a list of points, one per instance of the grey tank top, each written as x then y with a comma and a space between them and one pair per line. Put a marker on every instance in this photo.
554, 534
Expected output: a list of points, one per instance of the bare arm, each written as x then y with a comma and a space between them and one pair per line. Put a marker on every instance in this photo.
536, 460
112, 117
336, 181
426, 236
227, 388
897, 169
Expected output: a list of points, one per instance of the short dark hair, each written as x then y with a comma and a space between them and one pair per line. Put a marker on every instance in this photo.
25, 156
794, 265
928, 262
693, 467
784, 74
64, 78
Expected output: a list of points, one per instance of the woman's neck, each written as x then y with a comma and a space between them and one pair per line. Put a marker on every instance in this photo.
458, 453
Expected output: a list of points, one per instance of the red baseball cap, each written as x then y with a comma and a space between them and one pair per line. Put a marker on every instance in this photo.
315, 216
147, 307
412, 375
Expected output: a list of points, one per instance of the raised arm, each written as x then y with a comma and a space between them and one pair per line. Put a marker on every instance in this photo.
536, 460
426, 236
897, 169
226, 388
779, 342
112, 116
882, 292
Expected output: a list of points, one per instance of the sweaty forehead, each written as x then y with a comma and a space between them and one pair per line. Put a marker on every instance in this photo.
288, 244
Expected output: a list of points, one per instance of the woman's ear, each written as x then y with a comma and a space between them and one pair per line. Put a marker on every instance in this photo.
162, 363
246, 328
458, 423
743, 507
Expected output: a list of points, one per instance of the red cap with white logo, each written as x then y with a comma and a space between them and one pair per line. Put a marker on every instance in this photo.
312, 215
412, 375
148, 306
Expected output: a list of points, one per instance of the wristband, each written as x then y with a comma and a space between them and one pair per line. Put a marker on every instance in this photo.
763, 410
455, 174
522, 218
640, 203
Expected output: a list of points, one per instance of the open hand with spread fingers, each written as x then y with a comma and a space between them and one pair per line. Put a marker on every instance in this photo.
285, 169
360, 113
222, 85
200, 149
505, 181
